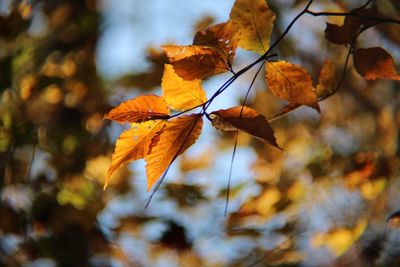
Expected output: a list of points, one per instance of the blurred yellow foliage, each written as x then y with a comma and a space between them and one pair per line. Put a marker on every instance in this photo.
339, 240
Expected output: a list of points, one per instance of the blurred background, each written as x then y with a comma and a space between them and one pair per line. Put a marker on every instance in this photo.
323, 201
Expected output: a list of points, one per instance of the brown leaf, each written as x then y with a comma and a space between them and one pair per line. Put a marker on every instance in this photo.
195, 62
141, 108
341, 35
179, 93
178, 135
375, 63
291, 82
222, 37
247, 120
327, 80
347, 33
133, 144
255, 21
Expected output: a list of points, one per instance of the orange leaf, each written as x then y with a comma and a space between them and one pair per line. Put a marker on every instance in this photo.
255, 21
375, 63
178, 135
327, 79
291, 82
141, 108
222, 37
195, 62
133, 144
247, 120
181, 94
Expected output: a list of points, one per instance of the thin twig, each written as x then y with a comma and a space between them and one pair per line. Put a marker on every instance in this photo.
353, 14
172, 161
236, 136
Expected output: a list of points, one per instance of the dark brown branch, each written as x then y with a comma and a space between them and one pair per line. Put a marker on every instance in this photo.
354, 14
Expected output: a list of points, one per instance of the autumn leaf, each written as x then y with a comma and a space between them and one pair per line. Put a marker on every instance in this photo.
179, 93
141, 108
255, 21
223, 37
346, 34
195, 62
341, 35
291, 82
375, 63
178, 135
247, 120
327, 79
212, 52
133, 144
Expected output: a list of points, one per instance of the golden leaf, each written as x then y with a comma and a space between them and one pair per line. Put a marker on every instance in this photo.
375, 63
247, 120
181, 94
291, 82
255, 21
327, 79
195, 62
141, 108
178, 135
133, 144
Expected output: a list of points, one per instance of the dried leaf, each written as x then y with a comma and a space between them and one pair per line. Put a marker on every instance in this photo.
327, 79
178, 135
291, 82
347, 33
247, 120
141, 108
195, 62
133, 144
222, 37
255, 21
341, 35
375, 63
181, 94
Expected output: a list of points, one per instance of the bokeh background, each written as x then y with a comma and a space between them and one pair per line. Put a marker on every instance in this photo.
323, 201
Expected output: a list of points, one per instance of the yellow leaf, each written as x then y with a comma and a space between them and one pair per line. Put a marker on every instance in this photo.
291, 82
375, 63
255, 21
141, 108
133, 144
181, 94
247, 120
327, 79
178, 135
195, 62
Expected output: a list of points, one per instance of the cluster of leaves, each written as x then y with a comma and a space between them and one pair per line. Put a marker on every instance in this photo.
308, 206
159, 137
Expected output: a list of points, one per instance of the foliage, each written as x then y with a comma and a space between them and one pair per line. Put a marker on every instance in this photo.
320, 187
